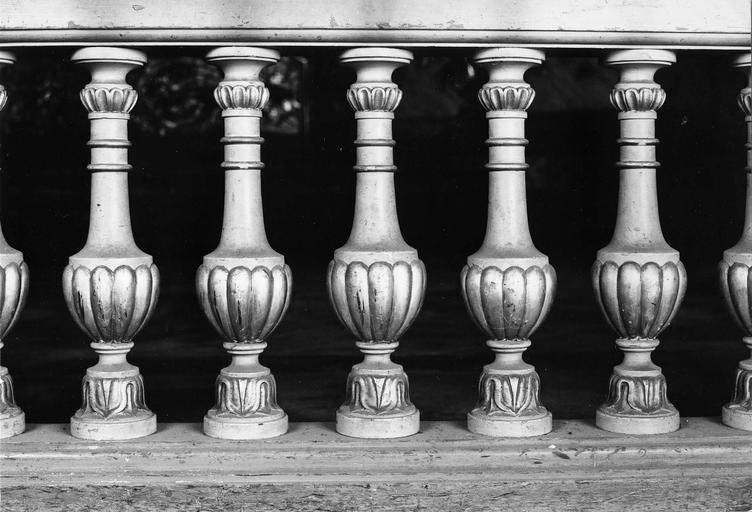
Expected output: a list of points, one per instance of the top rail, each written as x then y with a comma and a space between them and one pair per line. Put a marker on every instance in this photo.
673, 24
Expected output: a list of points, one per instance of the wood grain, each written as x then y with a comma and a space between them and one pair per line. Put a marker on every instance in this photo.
703, 466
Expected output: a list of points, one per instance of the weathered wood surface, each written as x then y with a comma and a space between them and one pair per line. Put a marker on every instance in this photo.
451, 23
703, 466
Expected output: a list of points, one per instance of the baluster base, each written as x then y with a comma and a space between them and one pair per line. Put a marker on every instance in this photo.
114, 406
637, 400
738, 412
12, 418
508, 404
378, 404
246, 393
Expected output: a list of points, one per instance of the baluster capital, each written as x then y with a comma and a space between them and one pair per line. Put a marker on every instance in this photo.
108, 91
637, 90
506, 88
373, 90
241, 87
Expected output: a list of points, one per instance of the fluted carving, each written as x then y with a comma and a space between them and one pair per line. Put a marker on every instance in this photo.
14, 286
243, 286
376, 281
639, 301
508, 285
374, 99
641, 99
638, 280
248, 96
510, 303
244, 305
111, 305
113, 99
377, 302
506, 97
110, 286
736, 280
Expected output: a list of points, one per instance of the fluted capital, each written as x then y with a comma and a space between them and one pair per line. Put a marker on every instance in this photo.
244, 304
111, 306
641, 99
506, 88
637, 90
373, 90
108, 91
639, 301
241, 87
377, 302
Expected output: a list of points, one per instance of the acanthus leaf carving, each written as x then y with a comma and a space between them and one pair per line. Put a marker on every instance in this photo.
496, 97
638, 396
241, 96
113, 398
109, 99
8, 405
374, 98
246, 397
510, 394
377, 394
640, 99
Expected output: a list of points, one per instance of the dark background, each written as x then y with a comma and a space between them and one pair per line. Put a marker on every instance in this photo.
308, 186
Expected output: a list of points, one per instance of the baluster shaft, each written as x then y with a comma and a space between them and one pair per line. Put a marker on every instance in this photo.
508, 285
734, 275
14, 286
638, 278
111, 286
376, 281
244, 285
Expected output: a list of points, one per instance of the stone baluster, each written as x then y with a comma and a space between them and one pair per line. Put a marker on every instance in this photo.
508, 284
735, 278
110, 286
14, 285
244, 285
637, 278
376, 281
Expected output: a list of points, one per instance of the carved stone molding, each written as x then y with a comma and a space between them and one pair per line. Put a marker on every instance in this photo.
641, 99
506, 98
8, 407
110, 398
374, 98
639, 301
509, 303
377, 302
114, 99
741, 398
245, 96
244, 305
638, 396
375, 393
744, 100
506, 394
246, 397
111, 305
